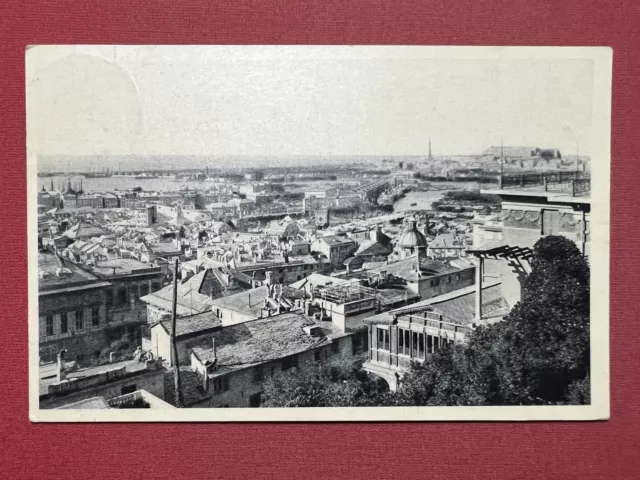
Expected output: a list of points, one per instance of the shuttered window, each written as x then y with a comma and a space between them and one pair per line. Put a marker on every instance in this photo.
550, 222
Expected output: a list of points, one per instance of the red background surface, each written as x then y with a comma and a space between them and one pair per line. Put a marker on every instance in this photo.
373, 450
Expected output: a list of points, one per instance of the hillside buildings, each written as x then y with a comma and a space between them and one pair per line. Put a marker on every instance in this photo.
266, 285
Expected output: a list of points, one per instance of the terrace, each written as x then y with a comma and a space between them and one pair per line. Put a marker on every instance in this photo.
569, 183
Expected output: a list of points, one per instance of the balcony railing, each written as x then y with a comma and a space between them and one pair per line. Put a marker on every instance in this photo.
572, 183
435, 320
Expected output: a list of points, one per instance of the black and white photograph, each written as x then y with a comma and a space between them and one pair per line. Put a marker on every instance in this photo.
318, 233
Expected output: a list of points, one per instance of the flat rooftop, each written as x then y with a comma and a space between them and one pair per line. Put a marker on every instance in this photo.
122, 266
55, 274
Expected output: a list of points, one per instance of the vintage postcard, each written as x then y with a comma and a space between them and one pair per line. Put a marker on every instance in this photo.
318, 233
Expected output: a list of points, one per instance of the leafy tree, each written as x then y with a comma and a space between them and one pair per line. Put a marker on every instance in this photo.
543, 344
337, 384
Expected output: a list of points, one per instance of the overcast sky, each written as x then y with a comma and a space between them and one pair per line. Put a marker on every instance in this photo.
301, 101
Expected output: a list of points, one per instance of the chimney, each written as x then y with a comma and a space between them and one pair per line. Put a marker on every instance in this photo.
61, 375
112, 357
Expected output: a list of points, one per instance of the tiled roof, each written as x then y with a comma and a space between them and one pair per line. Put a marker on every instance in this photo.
336, 240
58, 273
194, 295
84, 230
194, 324
250, 302
448, 240
392, 296
413, 269
457, 306
164, 248
262, 340
369, 247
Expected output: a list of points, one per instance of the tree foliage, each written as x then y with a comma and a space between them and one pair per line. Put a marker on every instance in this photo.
336, 384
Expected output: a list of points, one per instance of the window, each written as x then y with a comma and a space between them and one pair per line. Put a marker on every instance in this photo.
258, 374
335, 346
128, 389
64, 322
80, 320
457, 276
317, 355
221, 384
430, 344
383, 339
122, 296
404, 341
449, 279
95, 316
255, 399
550, 222
49, 325
144, 289
48, 354
289, 362
109, 297
420, 346
155, 287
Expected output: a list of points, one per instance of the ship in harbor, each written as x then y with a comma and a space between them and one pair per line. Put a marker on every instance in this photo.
145, 176
101, 174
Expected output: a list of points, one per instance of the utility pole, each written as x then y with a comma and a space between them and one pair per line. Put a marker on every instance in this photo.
176, 365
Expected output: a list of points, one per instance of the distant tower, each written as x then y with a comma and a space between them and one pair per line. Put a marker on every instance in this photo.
429, 148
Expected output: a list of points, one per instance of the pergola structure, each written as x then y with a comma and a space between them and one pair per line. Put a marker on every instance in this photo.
344, 293
494, 250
